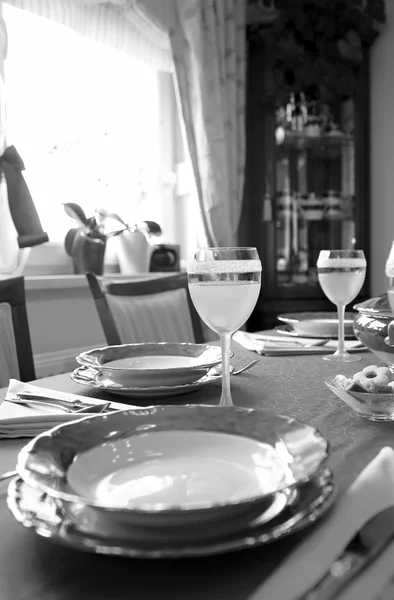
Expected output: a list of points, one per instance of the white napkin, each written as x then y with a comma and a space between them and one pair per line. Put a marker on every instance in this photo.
27, 421
371, 492
271, 343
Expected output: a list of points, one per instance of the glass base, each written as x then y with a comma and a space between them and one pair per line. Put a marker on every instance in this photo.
342, 358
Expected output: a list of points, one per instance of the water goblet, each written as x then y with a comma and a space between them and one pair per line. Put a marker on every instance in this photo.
224, 285
341, 274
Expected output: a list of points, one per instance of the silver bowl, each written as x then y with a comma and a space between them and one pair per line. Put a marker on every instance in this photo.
374, 327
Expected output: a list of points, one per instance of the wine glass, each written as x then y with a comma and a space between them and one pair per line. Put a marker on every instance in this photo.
224, 285
341, 275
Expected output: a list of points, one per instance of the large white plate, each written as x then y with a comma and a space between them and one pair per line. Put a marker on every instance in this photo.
294, 450
153, 364
93, 378
81, 529
317, 324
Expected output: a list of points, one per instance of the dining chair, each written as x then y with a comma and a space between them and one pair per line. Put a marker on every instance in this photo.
16, 354
154, 309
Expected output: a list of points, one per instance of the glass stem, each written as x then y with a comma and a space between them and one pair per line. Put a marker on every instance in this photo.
225, 399
341, 330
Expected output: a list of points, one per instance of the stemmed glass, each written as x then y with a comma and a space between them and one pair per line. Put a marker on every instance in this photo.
341, 275
224, 285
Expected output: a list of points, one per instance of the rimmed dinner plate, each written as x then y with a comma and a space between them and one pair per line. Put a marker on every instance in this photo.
93, 378
153, 364
317, 324
174, 466
48, 517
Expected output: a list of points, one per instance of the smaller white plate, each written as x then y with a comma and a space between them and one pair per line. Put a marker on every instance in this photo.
317, 324
153, 364
93, 378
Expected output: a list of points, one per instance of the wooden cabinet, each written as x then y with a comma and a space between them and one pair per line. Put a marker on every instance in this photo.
306, 184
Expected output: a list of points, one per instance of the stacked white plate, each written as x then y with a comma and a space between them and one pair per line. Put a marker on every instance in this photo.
316, 324
172, 481
150, 369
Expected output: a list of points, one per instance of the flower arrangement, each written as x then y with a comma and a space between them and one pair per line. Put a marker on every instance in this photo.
317, 44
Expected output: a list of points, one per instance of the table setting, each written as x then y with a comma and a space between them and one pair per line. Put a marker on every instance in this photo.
260, 483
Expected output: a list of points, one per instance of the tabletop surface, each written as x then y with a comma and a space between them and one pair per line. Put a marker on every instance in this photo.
37, 569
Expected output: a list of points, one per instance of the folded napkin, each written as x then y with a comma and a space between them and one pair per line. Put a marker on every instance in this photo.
27, 421
371, 492
272, 343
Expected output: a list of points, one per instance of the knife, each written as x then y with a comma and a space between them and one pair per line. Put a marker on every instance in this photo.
363, 549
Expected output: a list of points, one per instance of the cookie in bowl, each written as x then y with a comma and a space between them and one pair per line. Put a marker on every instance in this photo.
370, 392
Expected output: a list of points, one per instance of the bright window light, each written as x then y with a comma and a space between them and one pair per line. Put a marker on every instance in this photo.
84, 119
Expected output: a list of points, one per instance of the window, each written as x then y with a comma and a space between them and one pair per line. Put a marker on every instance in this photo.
86, 121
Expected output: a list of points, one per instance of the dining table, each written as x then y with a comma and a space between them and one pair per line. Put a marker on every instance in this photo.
35, 568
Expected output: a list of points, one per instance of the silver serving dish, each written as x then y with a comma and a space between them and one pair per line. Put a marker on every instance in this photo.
374, 327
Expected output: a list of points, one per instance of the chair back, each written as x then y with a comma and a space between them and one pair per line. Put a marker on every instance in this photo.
157, 309
16, 355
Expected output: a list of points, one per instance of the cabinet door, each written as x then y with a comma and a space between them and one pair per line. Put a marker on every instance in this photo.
306, 188
313, 204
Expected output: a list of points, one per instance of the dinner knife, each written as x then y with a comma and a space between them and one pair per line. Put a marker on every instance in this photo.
364, 548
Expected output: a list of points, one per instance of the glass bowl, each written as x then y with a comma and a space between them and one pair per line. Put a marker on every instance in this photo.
369, 406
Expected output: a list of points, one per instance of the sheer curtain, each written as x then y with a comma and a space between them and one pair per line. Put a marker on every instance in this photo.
208, 44
20, 227
119, 24
209, 51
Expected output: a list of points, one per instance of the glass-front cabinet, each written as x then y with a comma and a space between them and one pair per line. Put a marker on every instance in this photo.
307, 180
313, 188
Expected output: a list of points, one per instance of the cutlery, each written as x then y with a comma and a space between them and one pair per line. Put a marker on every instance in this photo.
75, 406
76, 402
246, 367
96, 409
218, 370
363, 548
292, 342
287, 351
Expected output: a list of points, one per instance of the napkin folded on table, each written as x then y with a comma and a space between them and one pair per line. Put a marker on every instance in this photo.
271, 343
27, 421
371, 492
